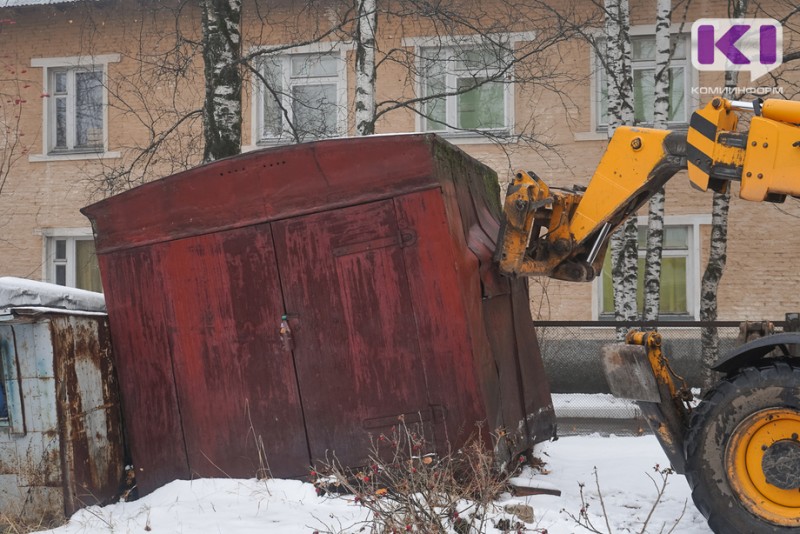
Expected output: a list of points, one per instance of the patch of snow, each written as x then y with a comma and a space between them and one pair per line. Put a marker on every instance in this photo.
625, 469
24, 293
600, 405
23, 3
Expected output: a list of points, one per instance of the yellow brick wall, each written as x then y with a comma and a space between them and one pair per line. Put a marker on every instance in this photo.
764, 240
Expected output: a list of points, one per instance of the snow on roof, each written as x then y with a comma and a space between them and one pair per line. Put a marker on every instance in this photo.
20, 292
23, 3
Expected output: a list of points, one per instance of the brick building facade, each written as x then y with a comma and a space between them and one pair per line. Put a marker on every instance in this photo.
81, 76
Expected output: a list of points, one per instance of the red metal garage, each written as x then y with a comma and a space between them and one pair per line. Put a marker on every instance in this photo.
378, 252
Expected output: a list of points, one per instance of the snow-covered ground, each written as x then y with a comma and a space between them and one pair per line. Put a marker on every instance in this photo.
625, 468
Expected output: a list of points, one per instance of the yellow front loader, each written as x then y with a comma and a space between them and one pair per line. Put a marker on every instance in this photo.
740, 447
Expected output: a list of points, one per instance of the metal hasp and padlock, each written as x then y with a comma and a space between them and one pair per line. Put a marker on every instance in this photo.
287, 341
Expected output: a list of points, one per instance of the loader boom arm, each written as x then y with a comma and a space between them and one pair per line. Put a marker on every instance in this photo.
564, 234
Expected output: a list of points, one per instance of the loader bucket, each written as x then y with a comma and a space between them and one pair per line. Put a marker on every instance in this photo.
637, 370
629, 373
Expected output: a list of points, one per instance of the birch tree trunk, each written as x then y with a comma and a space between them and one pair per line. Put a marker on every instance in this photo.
718, 253
655, 218
366, 24
222, 109
717, 258
624, 253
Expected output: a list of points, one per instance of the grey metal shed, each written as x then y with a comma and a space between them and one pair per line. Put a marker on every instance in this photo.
61, 445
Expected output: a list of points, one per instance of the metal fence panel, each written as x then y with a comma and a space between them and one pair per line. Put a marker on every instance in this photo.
581, 397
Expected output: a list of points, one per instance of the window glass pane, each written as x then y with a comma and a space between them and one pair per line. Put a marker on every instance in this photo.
641, 240
61, 122
273, 114
478, 59
677, 95
87, 271
602, 89
608, 288
643, 98
60, 82
643, 51
435, 109
676, 237
314, 65
673, 285
643, 48
314, 110
678, 47
673, 279
61, 249
61, 274
481, 107
88, 109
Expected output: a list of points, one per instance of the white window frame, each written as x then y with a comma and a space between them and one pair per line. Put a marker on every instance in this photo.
693, 224
420, 44
71, 64
258, 93
49, 261
691, 79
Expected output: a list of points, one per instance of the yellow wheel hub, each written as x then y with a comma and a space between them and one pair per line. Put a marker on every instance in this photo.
763, 465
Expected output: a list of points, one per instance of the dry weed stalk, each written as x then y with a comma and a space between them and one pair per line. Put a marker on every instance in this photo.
407, 488
584, 520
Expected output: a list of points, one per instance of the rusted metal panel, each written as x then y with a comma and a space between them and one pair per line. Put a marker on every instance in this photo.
535, 389
382, 263
442, 328
211, 384
140, 330
347, 297
92, 450
235, 386
263, 186
70, 450
522, 384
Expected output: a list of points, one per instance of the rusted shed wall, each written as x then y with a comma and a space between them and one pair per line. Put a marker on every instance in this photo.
66, 450
89, 414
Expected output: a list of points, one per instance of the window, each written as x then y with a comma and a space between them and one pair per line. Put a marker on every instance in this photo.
71, 261
304, 97
75, 110
643, 55
3, 403
680, 270
11, 412
474, 92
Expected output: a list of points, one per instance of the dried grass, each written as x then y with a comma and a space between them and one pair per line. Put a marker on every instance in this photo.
408, 489
16, 525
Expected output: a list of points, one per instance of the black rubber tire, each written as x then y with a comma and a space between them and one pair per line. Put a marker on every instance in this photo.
753, 389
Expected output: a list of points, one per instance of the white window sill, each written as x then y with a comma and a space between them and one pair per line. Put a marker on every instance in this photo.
284, 141
474, 138
73, 156
590, 136
456, 138
602, 134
